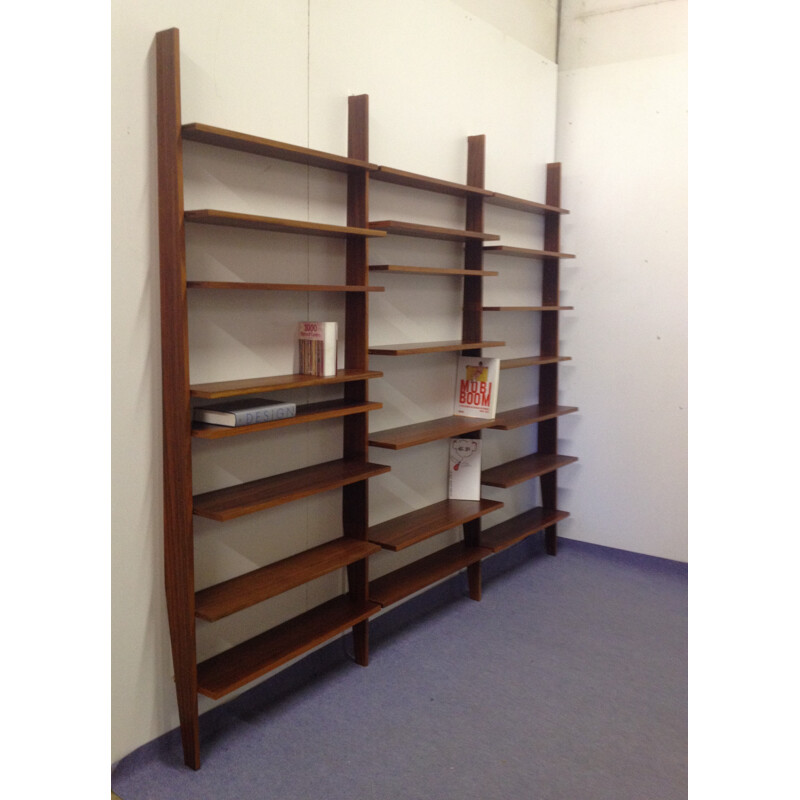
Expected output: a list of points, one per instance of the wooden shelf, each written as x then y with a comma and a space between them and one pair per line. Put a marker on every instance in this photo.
273, 287
411, 179
405, 581
424, 432
236, 220
523, 252
531, 361
429, 231
276, 383
519, 204
520, 527
419, 348
247, 498
416, 526
482, 273
238, 593
234, 668
219, 137
528, 308
311, 412
528, 415
523, 469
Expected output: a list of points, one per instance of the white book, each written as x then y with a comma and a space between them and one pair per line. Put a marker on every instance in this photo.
476, 387
317, 345
465, 469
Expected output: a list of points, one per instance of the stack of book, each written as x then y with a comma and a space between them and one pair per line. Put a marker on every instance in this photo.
317, 342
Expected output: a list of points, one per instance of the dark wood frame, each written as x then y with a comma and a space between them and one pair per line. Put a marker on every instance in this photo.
234, 668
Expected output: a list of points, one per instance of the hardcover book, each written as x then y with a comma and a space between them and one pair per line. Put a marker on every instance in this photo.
317, 343
476, 387
464, 482
248, 411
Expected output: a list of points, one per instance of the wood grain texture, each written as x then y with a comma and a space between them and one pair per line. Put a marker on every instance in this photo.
246, 590
234, 219
528, 415
523, 469
520, 204
428, 431
524, 252
276, 383
247, 498
399, 228
420, 348
531, 361
234, 668
177, 457
431, 270
517, 528
420, 524
413, 180
403, 582
233, 140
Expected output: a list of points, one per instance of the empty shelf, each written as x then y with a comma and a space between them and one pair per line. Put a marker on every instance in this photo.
416, 526
232, 140
413, 577
234, 668
482, 273
523, 252
519, 204
247, 498
429, 231
523, 469
236, 220
415, 181
244, 591
530, 361
276, 383
419, 348
517, 417
520, 527
272, 287
429, 431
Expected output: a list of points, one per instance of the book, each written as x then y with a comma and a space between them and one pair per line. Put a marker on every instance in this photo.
248, 411
464, 481
476, 387
317, 344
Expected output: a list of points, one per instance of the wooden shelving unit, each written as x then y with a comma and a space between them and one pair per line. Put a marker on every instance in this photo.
350, 549
349, 552
545, 414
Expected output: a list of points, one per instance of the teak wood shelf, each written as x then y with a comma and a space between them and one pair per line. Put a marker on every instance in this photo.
419, 348
353, 540
473, 273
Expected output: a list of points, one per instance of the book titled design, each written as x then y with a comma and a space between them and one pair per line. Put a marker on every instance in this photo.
317, 342
249, 411
464, 481
476, 387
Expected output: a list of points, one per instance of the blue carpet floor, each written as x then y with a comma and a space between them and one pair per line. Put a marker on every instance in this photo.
566, 682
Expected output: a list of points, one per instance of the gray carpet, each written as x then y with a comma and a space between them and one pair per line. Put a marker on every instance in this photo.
566, 682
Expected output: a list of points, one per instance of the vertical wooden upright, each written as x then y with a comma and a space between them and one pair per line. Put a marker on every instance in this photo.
548, 373
472, 314
355, 497
178, 532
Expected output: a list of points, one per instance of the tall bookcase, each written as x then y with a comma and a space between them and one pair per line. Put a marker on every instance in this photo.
349, 553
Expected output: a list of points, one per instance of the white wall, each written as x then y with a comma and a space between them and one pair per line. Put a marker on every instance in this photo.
622, 136
435, 74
